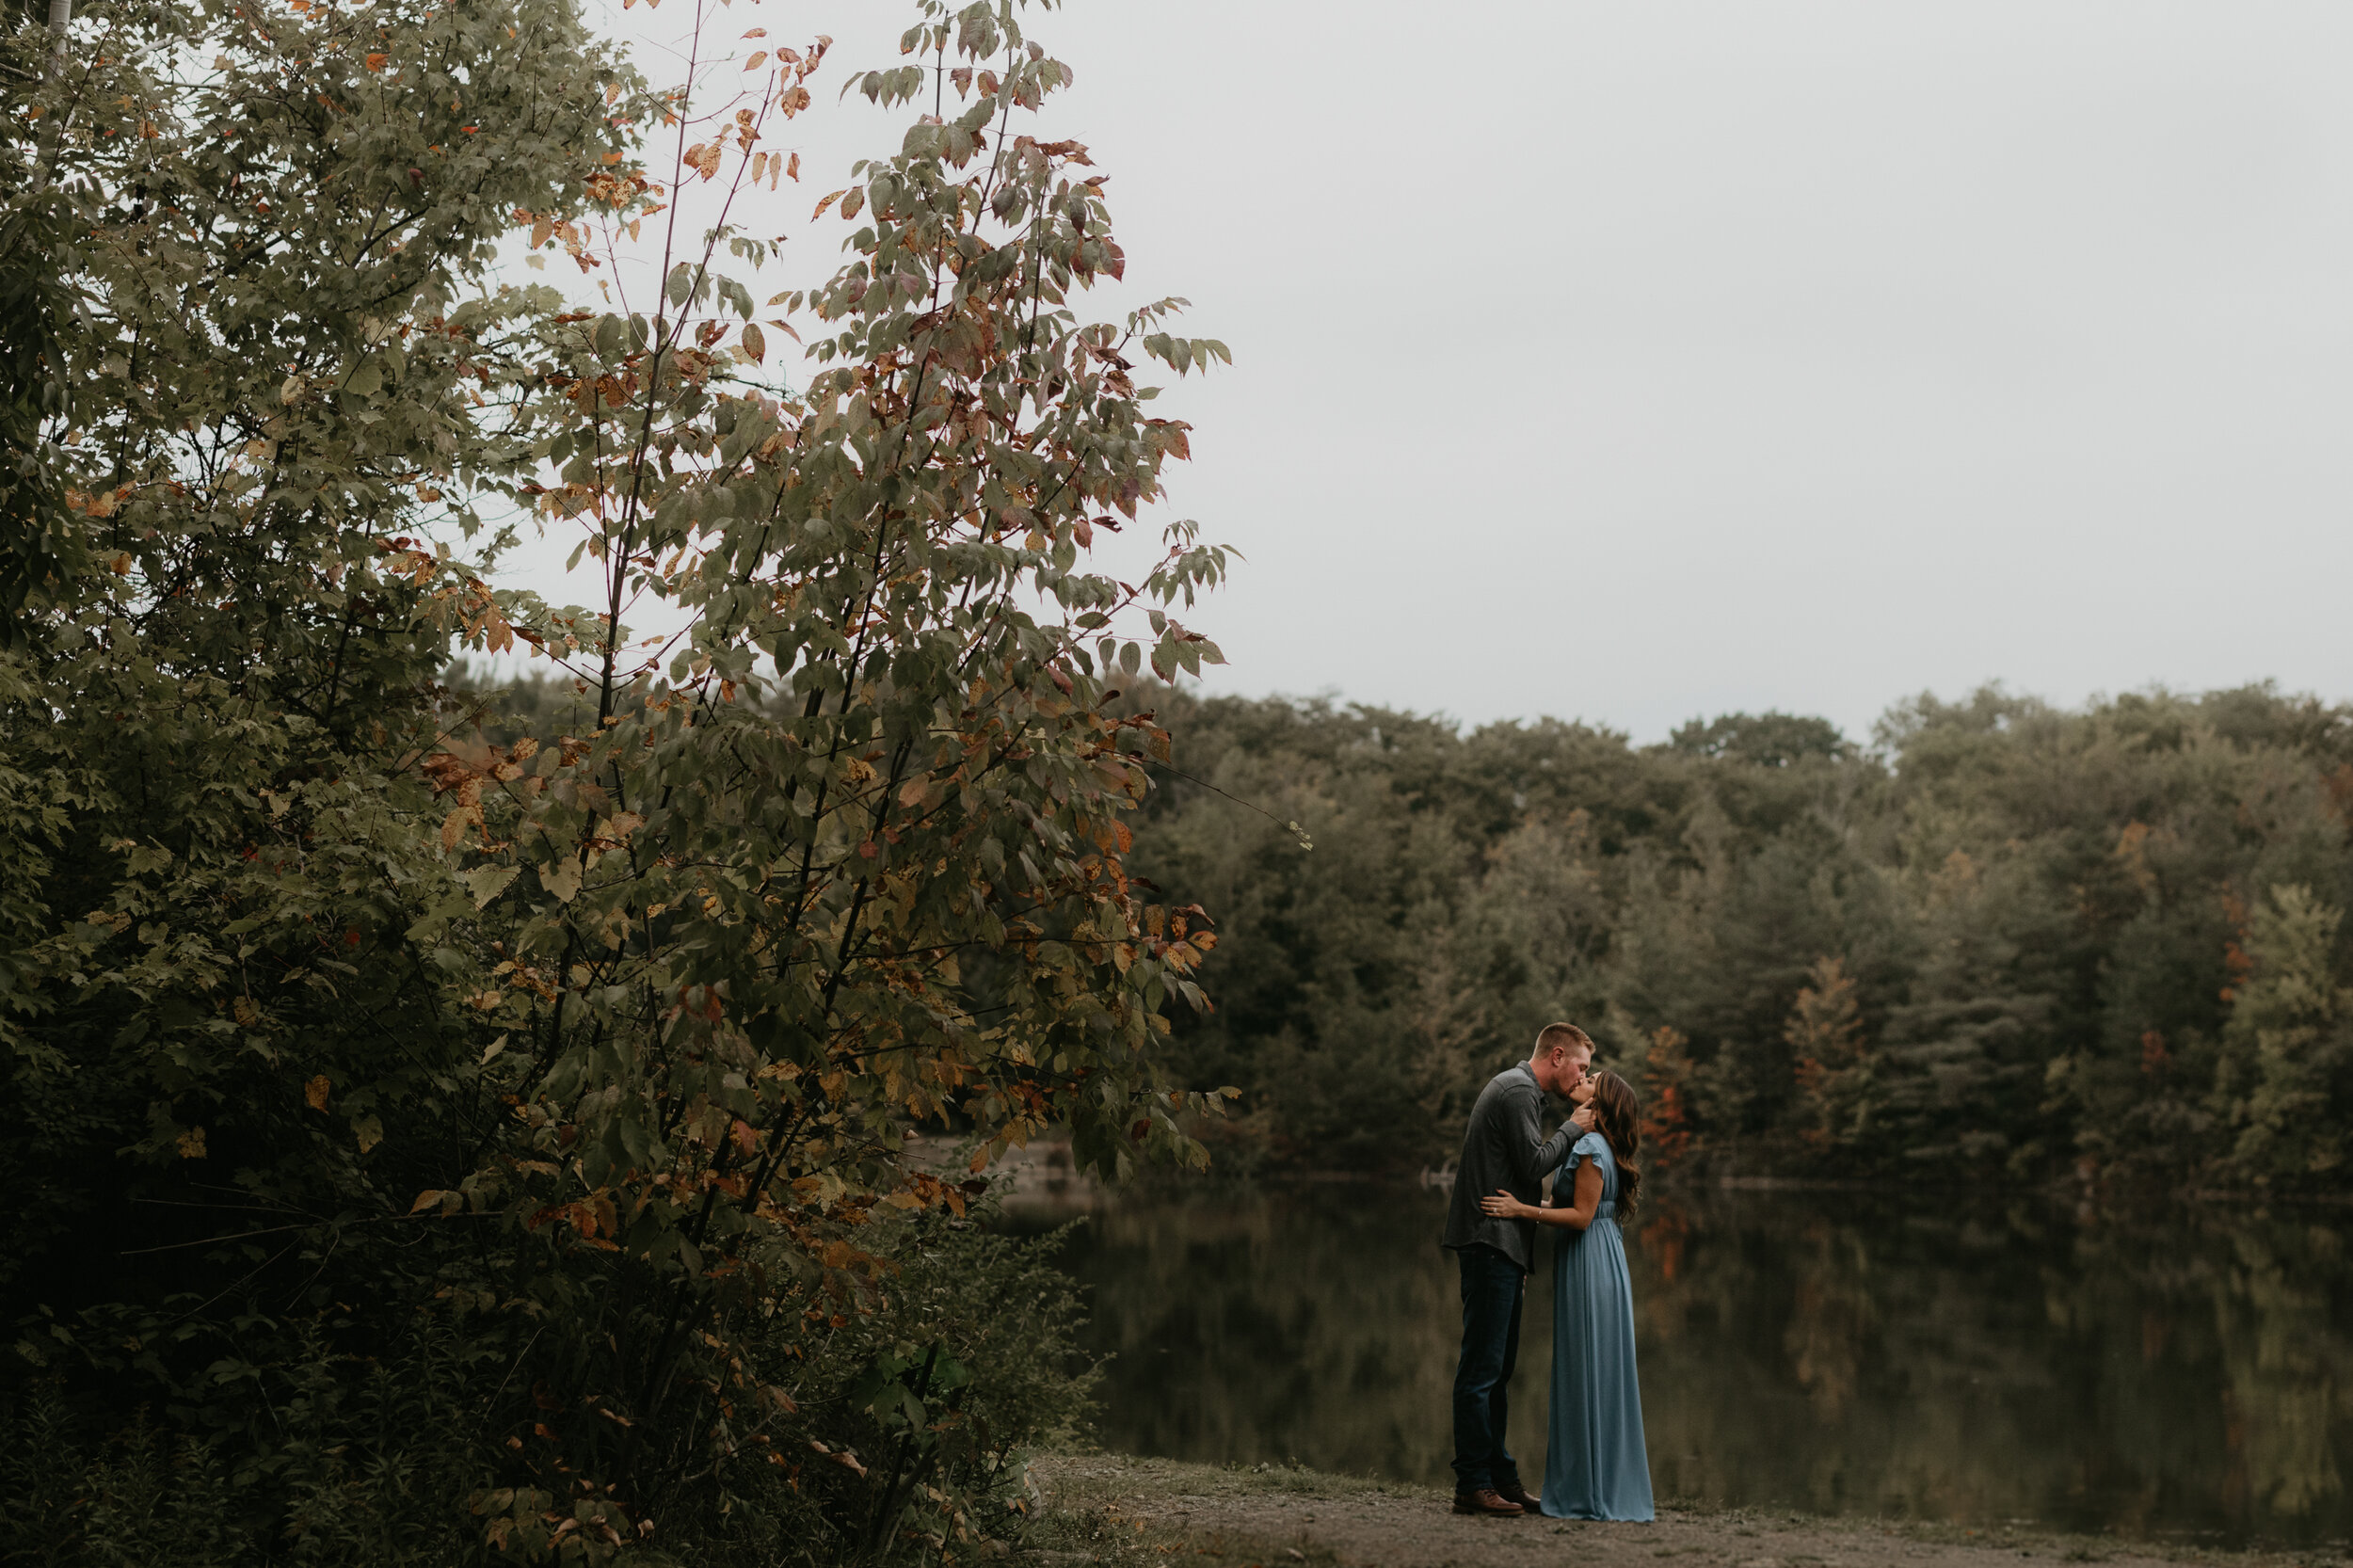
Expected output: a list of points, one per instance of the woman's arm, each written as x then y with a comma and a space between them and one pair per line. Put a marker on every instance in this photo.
1577, 1215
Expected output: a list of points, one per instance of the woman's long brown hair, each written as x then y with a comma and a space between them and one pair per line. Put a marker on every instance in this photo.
1618, 1116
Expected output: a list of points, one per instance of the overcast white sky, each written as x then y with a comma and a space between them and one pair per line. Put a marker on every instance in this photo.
1634, 362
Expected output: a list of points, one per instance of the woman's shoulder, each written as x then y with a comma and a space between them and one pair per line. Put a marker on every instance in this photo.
1590, 1146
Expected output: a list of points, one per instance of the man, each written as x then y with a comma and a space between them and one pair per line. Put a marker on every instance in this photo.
1503, 1148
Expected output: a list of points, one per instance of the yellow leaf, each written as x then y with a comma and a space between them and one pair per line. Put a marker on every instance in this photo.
759, 57
826, 202
493, 1048
425, 1200
314, 1092
245, 1012
191, 1144
755, 342
562, 879
370, 1132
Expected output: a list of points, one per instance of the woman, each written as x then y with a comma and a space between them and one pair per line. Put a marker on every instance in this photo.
1595, 1463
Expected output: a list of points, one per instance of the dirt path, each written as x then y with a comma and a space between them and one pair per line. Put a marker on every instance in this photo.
1112, 1509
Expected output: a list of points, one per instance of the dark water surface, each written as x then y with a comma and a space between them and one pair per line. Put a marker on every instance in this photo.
1953, 1356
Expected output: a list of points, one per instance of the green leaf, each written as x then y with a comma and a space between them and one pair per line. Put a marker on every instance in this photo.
611, 338
487, 882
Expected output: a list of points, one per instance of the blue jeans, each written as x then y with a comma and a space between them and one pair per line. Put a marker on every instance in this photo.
1493, 1289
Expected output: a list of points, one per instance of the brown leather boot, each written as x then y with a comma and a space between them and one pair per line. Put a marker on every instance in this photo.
1513, 1492
1489, 1502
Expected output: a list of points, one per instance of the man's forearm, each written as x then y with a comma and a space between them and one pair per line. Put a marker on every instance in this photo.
1534, 1156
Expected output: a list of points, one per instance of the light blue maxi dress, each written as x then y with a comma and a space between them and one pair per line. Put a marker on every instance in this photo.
1595, 1467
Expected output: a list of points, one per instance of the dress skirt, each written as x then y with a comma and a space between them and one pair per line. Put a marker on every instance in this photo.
1595, 1465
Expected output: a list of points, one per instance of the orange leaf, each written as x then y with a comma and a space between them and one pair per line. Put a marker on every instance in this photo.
314, 1092
377, 62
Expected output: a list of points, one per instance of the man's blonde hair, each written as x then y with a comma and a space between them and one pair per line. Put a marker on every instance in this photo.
1566, 1037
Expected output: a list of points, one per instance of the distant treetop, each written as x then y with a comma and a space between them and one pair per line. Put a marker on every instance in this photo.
1772, 739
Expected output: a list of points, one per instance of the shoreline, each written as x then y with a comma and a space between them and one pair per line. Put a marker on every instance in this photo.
1122, 1511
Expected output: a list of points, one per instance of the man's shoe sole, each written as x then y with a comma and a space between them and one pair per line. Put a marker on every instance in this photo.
1477, 1512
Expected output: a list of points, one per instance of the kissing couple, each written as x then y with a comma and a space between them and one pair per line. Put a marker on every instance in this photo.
1595, 1463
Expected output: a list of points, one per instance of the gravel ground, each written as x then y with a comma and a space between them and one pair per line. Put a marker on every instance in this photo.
1104, 1509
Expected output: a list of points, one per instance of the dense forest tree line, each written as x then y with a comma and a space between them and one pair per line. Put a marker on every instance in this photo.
2001, 939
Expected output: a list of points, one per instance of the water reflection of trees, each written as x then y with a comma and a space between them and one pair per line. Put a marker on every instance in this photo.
1938, 1358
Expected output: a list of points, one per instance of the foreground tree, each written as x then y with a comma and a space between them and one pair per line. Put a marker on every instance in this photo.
252, 306
843, 857
573, 1077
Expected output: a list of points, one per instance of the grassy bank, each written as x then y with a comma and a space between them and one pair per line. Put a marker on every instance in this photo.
1126, 1512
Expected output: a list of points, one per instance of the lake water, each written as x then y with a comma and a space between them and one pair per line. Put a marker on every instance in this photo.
1954, 1357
